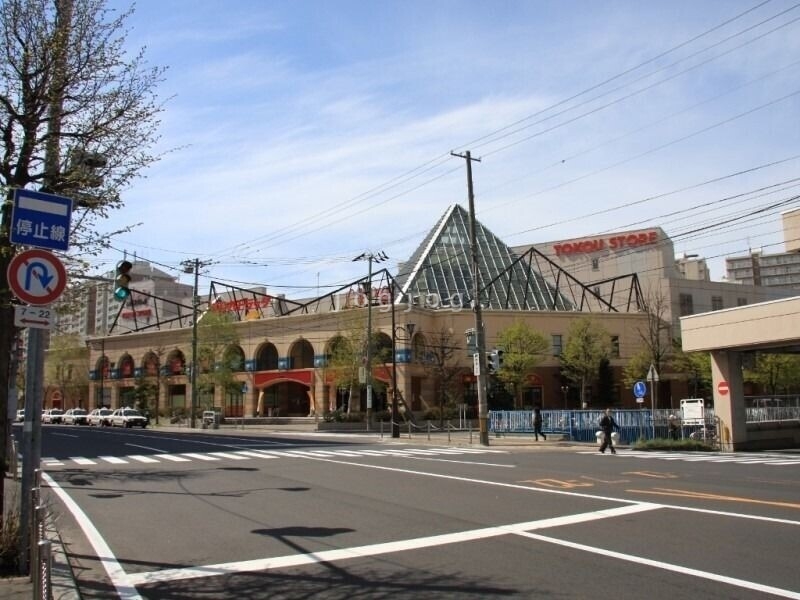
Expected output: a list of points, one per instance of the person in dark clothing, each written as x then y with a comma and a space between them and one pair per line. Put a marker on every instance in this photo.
537, 424
607, 426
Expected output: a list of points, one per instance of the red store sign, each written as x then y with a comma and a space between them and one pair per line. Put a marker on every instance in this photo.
614, 242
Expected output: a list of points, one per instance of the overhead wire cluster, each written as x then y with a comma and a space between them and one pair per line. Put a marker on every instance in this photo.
745, 30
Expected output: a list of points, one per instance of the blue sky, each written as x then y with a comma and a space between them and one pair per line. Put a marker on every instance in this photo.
308, 132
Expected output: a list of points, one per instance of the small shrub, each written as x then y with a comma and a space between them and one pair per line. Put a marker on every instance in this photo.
684, 445
10, 543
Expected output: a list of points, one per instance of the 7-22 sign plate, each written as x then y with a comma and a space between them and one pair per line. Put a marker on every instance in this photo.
35, 317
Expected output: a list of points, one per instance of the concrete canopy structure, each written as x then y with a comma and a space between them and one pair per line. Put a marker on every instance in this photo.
728, 334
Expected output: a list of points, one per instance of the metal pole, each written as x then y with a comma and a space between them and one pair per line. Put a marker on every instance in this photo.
193, 375
31, 437
369, 342
395, 425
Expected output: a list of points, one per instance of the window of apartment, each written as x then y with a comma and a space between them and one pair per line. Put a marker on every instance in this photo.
557, 343
741, 302
686, 304
614, 346
595, 264
716, 303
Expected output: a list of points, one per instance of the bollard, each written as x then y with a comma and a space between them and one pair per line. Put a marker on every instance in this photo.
41, 574
470, 432
409, 430
448, 432
429, 431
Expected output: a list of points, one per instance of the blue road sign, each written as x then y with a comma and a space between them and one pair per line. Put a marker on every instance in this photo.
40, 220
640, 389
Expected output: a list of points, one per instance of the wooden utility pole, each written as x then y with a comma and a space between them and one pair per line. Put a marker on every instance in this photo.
480, 337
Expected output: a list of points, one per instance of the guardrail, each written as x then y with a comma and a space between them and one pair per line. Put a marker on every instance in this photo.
41, 564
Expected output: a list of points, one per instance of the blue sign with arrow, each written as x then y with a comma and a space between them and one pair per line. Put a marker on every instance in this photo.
640, 389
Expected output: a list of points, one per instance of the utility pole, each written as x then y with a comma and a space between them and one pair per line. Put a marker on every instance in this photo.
194, 266
480, 336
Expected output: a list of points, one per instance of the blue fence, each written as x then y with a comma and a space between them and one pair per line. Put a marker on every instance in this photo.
582, 425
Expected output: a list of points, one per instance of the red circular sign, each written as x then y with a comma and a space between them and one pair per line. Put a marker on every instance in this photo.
722, 388
36, 277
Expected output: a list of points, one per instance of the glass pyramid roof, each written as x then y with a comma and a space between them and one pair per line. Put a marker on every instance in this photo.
439, 273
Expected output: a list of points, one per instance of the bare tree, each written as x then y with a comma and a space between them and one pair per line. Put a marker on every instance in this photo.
78, 118
440, 363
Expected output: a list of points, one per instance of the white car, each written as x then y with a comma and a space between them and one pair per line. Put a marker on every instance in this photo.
128, 417
52, 415
21, 415
76, 416
99, 417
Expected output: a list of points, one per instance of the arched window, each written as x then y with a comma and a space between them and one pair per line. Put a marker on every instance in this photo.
233, 358
267, 358
302, 355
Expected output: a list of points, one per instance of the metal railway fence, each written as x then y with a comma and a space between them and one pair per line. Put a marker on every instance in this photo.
582, 425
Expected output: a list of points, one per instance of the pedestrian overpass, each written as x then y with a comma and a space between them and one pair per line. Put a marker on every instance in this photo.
727, 335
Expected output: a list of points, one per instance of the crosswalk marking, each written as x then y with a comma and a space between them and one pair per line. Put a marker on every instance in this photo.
200, 456
172, 457
397, 452
142, 458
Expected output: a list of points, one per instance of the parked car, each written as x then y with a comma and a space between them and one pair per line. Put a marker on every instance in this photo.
99, 417
53, 415
21, 415
76, 416
128, 417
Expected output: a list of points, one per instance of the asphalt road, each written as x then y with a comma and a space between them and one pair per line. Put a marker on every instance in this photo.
156, 514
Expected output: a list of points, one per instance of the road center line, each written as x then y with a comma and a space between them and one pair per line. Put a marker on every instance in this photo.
293, 560
461, 462
160, 450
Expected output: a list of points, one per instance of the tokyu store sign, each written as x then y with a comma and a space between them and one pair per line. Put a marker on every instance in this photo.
614, 243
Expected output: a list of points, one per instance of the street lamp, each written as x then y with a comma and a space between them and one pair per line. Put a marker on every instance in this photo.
565, 391
193, 266
370, 258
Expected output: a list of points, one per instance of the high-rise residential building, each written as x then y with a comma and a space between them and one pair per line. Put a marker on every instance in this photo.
779, 270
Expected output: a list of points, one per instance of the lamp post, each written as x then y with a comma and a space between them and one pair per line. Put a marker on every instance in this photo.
370, 258
193, 266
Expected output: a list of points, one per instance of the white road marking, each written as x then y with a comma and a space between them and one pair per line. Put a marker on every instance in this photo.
461, 462
228, 455
114, 460
742, 583
294, 560
119, 578
200, 456
142, 458
82, 461
172, 457
146, 448
254, 454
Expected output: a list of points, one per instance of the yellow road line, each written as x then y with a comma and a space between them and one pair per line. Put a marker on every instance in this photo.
705, 496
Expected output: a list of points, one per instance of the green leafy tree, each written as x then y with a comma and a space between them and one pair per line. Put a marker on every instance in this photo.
588, 343
696, 367
67, 368
216, 335
347, 354
776, 373
523, 349
79, 118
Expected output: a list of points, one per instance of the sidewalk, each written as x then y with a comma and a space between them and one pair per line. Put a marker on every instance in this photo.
62, 581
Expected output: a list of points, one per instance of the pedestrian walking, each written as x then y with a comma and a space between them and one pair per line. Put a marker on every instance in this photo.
537, 424
607, 426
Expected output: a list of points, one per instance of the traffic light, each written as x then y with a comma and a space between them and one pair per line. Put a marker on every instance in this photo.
490, 363
498, 359
122, 280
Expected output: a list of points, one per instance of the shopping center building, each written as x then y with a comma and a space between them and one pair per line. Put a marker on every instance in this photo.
419, 316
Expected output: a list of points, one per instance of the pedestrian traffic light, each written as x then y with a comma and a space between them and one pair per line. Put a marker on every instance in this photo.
122, 280
498, 359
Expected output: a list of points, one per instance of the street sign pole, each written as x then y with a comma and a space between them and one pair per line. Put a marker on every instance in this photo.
31, 437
